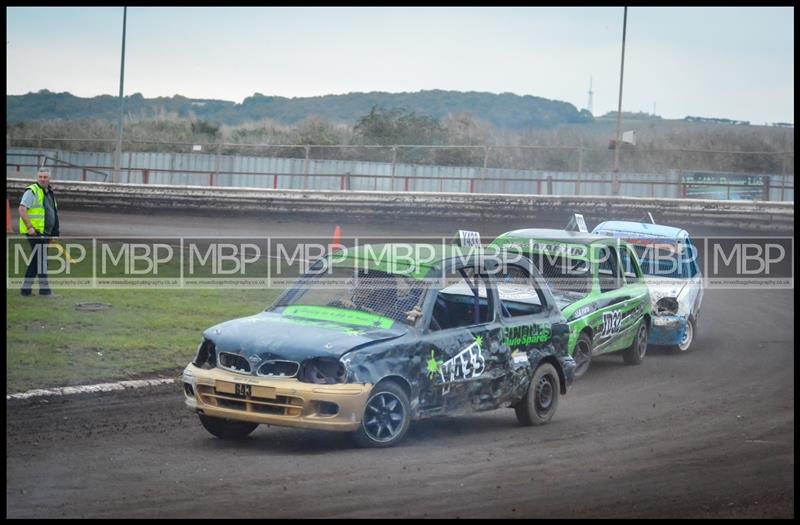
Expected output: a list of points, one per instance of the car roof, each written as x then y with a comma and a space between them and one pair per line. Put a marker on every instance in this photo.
546, 234
382, 256
642, 229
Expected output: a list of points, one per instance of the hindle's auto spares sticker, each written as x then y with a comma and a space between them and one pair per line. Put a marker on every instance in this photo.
515, 336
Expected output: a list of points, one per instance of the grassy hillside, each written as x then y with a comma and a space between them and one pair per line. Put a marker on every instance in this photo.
505, 110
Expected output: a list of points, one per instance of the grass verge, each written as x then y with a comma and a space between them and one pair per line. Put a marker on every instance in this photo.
51, 343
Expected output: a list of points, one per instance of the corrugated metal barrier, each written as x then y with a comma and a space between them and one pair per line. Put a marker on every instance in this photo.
290, 173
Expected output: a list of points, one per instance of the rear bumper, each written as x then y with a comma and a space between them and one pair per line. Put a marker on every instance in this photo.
667, 329
280, 402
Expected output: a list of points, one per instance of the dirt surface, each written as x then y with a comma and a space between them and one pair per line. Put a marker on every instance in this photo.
705, 434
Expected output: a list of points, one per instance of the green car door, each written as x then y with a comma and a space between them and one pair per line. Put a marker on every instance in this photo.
620, 304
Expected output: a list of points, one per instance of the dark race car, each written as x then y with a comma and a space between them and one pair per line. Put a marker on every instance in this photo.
366, 344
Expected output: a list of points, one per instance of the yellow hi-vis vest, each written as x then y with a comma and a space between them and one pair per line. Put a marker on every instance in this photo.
35, 214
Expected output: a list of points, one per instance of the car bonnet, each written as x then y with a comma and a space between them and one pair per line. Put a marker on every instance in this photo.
277, 335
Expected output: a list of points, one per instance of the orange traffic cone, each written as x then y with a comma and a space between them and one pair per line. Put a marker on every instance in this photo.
337, 236
9, 229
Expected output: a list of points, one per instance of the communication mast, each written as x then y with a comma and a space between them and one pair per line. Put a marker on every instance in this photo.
589, 106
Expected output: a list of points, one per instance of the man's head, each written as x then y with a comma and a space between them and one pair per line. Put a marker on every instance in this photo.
43, 178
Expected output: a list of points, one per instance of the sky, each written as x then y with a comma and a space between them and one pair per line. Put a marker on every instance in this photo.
723, 62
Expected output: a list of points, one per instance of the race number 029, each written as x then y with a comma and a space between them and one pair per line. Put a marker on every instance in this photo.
611, 322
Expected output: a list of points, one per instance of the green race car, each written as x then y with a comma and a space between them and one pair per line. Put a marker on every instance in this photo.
597, 283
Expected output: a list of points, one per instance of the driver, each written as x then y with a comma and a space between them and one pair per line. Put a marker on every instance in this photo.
379, 296
370, 296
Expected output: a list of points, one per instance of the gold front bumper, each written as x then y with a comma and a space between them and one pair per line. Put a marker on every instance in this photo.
281, 402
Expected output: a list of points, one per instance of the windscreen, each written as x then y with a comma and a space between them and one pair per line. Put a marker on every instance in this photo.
662, 259
370, 291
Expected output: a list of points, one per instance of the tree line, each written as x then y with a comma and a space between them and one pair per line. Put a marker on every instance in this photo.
661, 144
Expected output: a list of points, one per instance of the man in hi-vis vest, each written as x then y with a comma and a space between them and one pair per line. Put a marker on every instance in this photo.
38, 219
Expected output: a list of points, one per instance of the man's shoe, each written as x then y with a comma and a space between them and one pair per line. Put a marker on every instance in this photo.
25, 294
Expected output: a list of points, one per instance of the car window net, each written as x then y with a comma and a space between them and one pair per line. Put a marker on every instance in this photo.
566, 276
372, 291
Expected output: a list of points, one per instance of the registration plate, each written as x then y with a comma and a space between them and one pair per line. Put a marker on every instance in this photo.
240, 389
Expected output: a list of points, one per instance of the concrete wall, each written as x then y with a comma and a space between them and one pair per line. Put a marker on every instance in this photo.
404, 206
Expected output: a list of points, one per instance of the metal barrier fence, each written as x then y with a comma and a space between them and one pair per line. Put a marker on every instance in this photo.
306, 173
550, 158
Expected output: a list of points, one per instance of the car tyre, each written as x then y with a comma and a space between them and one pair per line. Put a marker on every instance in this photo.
688, 338
386, 418
582, 354
227, 428
541, 399
634, 354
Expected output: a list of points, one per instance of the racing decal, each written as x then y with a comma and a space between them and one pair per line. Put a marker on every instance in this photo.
611, 322
553, 248
330, 326
467, 364
515, 336
338, 315
615, 321
434, 367
321, 324
583, 311
520, 358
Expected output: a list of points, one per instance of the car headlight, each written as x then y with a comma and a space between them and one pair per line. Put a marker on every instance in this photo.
667, 305
206, 356
323, 371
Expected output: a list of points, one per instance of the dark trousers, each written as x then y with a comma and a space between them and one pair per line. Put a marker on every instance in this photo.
37, 266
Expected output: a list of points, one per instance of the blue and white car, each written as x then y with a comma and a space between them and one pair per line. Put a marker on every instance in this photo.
669, 260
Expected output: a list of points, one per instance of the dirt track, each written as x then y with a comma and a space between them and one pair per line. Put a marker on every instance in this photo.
706, 434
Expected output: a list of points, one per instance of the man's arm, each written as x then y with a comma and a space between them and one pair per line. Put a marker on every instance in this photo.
23, 213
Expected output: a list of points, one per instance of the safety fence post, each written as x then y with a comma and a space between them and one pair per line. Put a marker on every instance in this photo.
305, 166
394, 165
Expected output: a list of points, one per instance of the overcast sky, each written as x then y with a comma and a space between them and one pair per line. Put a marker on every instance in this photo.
734, 63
